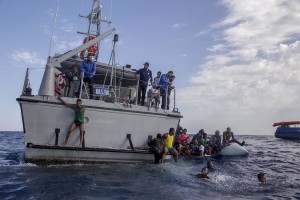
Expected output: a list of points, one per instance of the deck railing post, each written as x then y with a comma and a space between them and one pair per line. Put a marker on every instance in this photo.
83, 140
137, 92
174, 99
81, 82
57, 131
130, 141
166, 98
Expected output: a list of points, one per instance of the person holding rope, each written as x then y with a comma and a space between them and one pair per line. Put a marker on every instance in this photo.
143, 75
79, 110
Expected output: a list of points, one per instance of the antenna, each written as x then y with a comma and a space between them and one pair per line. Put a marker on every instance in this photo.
94, 19
54, 23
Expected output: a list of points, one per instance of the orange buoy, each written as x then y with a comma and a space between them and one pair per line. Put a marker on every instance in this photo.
92, 49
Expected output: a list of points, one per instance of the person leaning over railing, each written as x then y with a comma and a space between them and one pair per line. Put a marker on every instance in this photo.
164, 82
170, 88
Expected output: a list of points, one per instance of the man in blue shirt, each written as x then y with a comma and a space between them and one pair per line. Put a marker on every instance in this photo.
164, 82
88, 66
143, 75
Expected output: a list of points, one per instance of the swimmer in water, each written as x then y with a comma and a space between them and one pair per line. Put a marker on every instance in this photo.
203, 173
262, 177
210, 166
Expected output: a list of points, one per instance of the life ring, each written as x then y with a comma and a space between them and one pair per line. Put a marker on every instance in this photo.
92, 49
60, 82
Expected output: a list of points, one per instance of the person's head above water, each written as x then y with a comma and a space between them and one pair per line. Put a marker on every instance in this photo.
210, 165
204, 171
262, 177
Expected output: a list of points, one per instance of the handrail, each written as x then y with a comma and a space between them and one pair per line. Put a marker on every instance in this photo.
81, 84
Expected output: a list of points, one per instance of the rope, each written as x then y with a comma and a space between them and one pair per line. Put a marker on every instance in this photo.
57, 7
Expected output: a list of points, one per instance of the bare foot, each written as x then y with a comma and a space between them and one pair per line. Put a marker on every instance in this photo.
64, 144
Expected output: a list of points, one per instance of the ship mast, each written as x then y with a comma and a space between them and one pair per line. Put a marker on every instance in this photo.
94, 19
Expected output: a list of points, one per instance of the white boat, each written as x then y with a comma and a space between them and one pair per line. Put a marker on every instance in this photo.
116, 128
233, 149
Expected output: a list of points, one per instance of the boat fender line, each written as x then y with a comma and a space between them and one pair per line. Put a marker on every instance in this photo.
130, 141
83, 140
57, 131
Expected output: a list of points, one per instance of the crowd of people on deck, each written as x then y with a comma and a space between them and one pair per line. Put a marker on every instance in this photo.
162, 83
159, 88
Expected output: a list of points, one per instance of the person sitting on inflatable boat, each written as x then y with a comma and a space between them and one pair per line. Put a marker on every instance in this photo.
227, 135
215, 141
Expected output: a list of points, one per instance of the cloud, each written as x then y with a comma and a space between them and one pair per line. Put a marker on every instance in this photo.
45, 29
251, 77
183, 55
27, 57
67, 26
64, 45
50, 12
201, 33
179, 25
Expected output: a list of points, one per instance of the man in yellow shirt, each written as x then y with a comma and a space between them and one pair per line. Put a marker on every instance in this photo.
169, 142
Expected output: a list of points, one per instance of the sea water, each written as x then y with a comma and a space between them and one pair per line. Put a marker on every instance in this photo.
234, 178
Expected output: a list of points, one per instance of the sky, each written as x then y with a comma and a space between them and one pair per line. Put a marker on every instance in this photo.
235, 62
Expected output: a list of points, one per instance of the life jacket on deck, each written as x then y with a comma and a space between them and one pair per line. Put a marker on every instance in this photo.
60, 82
92, 49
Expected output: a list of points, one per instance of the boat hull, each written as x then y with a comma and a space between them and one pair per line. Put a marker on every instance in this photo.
107, 126
290, 133
47, 154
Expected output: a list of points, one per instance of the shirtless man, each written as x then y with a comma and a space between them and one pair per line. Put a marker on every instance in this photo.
227, 135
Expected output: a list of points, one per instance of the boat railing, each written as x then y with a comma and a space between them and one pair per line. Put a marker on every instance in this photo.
129, 93
120, 93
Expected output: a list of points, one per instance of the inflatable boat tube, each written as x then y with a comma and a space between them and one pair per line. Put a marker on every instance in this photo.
234, 149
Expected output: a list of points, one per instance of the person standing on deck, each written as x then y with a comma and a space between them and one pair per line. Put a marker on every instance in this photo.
72, 81
143, 75
156, 79
78, 121
163, 85
169, 143
88, 66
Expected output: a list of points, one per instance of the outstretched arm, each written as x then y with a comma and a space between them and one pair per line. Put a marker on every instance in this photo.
65, 103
